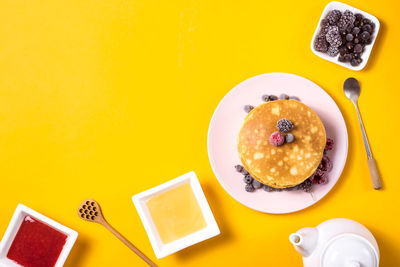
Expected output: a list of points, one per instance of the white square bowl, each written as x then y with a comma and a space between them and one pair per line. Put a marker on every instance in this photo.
367, 49
13, 228
160, 249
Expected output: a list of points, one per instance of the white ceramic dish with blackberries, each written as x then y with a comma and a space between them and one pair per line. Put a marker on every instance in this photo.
366, 49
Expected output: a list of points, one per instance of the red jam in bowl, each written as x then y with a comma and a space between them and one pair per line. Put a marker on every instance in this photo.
36, 244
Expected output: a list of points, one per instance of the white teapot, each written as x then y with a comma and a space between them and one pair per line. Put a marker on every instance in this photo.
336, 243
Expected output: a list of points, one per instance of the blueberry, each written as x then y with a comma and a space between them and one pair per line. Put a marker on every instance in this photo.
289, 138
354, 62
265, 98
365, 35
284, 97
358, 48
349, 37
248, 179
347, 57
341, 58
256, 184
294, 98
268, 188
342, 50
350, 46
245, 172
249, 188
248, 108
367, 28
356, 30
356, 40
239, 168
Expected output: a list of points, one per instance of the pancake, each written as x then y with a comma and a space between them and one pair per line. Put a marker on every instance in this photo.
291, 163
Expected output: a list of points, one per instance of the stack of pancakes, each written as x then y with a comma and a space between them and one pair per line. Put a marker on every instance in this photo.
291, 163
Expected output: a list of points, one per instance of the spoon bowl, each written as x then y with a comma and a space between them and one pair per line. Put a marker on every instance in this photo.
352, 89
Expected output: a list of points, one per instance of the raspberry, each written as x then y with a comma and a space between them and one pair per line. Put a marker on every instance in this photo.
329, 144
333, 16
333, 38
326, 164
276, 139
284, 125
319, 177
320, 44
333, 51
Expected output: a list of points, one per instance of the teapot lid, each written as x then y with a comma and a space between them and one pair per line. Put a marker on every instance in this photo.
349, 250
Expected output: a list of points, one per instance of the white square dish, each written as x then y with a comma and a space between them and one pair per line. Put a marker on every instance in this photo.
160, 249
20, 213
368, 48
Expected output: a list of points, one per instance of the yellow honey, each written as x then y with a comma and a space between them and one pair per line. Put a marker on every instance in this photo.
176, 213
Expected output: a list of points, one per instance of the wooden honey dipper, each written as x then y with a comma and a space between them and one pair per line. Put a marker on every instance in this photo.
90, 210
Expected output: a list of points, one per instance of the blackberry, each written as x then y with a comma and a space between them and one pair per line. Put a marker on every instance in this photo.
333, 38
289, 138
333, 51
284, 125
320, 44
239, 168
306, 185
333, 16
256, 184
248, 108
248, 179
346, 20
249, 188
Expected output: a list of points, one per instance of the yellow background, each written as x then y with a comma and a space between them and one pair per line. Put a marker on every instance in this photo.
105, 99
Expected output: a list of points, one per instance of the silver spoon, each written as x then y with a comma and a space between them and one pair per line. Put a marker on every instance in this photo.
351, 89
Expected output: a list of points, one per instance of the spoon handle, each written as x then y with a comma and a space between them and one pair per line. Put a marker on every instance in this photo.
373, 170
129, 244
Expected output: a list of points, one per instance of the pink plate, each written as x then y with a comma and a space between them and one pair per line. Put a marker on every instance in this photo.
227, 120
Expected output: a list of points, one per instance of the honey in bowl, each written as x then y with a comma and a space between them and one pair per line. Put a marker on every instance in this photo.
176, 213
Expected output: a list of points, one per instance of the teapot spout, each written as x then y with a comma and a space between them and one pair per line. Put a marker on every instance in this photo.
305, 240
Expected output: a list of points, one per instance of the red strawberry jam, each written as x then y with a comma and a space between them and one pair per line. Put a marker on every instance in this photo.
36, 244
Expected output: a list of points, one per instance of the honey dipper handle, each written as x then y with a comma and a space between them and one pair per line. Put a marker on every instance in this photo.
129, 245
